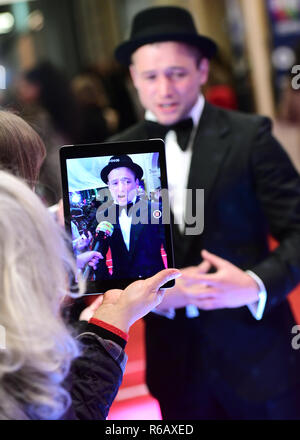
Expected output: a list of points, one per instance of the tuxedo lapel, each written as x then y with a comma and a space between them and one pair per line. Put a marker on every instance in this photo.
211, 145
210, 148
119, 238
135, 232
136, 229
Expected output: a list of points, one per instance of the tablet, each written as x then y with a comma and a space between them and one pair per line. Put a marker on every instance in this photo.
116, 209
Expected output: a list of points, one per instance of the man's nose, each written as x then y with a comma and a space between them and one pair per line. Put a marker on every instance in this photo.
121, 185
164, 86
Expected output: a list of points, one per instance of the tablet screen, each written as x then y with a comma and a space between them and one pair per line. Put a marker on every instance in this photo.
117, 211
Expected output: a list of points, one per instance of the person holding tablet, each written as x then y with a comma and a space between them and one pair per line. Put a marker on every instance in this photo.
45, 373
34, 259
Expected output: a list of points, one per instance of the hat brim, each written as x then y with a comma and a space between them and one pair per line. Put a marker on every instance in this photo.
124, 51
138, 171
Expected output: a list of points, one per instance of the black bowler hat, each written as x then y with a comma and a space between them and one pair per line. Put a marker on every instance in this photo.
121, 161
166, 23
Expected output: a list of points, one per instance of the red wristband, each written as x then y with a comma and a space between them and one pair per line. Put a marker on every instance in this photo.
109, 327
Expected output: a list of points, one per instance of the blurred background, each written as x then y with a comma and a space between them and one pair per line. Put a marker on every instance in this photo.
57, 70
80, 34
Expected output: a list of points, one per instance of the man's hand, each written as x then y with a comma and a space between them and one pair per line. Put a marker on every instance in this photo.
228, 287
186, 289
83, 241
90, 257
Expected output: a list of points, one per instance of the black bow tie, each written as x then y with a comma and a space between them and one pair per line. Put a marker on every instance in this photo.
182, 128
127, 207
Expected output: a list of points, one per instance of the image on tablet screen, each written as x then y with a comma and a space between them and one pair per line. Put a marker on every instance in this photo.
117, 212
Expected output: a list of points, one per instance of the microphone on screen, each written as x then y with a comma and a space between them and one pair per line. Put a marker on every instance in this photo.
104, 230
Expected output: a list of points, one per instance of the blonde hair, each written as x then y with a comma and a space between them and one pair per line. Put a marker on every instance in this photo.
34, 263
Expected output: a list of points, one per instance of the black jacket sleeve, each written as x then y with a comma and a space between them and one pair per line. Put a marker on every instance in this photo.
96, 375
278, 189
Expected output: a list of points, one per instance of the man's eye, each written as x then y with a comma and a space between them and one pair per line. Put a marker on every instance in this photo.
177, 75
150, 78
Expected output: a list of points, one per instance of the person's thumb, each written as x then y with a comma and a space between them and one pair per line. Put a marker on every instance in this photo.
216, 261
204, 267
163, 277
95, 304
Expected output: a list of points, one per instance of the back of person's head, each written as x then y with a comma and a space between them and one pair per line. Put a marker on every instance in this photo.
52, 83
34, 261
89, 90
55, 96
22, 151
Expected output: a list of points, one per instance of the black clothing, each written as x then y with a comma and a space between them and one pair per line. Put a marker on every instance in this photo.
96, 375
251, 190
94, 125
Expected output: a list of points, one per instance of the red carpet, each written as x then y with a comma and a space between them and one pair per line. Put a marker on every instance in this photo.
133, 401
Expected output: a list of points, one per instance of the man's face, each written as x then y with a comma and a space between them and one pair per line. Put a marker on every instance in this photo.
122, 185
168, 79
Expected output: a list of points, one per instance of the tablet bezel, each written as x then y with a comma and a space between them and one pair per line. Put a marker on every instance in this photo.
110, 149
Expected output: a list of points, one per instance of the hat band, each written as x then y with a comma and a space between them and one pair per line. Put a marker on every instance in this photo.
158, 30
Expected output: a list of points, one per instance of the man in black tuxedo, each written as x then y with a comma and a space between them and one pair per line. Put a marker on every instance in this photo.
137, 236
224, 349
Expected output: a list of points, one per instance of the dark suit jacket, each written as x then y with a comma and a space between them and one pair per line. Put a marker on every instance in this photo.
250, 190
143, 259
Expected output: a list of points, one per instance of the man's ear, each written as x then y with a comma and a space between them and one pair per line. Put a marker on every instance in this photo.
133, 74
204, 70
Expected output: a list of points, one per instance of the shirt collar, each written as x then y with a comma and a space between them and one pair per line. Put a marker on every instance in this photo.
195, 112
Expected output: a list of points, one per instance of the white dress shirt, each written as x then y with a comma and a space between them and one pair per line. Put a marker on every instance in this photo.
177, 182
125, 224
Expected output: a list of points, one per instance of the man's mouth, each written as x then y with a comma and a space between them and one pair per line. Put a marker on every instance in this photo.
168, 105
122, 199
168, 108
